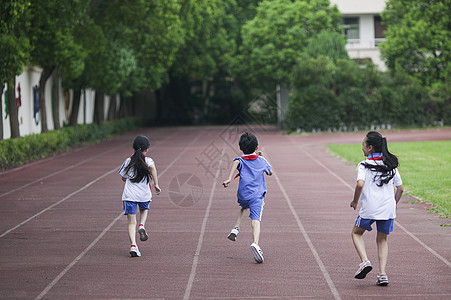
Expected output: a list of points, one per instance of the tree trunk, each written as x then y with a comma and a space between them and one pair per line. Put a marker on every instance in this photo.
99, 105
12, 108
46, 72
75, 108
112, 108
55, 100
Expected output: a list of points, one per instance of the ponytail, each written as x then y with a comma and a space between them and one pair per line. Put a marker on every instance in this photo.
385, 172
140, 170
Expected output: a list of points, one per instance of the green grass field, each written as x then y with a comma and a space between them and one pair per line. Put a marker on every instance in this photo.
425, 169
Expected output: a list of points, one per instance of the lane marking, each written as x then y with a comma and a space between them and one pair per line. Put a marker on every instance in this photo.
189, 286
432, 251
79, 257
97, 239
60, 171
59, 202
326, 275
83, 188
56, 173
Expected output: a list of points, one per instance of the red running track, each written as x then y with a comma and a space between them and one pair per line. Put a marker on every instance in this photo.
63, 235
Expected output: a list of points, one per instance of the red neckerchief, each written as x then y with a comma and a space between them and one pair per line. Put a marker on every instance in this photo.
247, 157
375, 156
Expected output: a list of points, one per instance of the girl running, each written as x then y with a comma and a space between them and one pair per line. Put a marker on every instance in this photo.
136, 172
376, 177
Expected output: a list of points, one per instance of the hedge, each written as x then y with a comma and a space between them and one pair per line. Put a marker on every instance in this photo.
329, 96
16, 152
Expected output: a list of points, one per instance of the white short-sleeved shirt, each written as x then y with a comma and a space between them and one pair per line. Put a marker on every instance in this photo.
377, 202
137, 192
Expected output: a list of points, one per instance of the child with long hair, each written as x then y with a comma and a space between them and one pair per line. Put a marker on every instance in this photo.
137, 172
376, 177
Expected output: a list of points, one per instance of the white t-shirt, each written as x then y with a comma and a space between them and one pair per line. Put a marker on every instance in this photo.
377, 203
135, 191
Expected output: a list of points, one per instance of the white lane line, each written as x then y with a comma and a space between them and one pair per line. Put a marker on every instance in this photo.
56, 173
432, 251
189, 286
320, 263
83, 253
61, 201
77, 191
424, 245
79, 257
60, 171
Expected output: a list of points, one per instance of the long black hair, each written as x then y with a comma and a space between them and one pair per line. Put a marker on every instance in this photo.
386, 171
138, 160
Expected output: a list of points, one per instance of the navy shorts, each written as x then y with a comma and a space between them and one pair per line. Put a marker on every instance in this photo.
385, 226
130, 207
255, 206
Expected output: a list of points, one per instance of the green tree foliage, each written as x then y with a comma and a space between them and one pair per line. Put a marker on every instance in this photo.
274, 40
15, 51
418, 38
209, 38
329, 95
14, 44
327, 43
202, 62
51, 34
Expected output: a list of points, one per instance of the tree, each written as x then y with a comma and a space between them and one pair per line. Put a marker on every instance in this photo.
418, 38
15, 50
210, 43
51, 34
276, 37
327, 43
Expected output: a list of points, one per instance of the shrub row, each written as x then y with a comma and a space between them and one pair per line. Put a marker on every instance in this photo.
16, 152
328, 95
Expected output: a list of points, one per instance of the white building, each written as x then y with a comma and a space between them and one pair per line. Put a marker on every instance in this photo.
29, 122
363, 29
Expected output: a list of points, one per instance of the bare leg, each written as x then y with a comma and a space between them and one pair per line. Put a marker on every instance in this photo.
382, 250
143, 216
359, 244
256, 230
132, 228
240, 216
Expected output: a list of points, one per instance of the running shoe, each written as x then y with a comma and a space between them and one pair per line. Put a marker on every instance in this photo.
257, 252
382, 280
134, 252
233, 234
364, 268
142, 233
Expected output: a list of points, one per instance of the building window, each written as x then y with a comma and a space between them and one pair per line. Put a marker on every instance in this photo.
379, 29
351, 25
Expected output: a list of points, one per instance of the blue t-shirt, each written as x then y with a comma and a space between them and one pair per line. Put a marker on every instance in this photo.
252, 179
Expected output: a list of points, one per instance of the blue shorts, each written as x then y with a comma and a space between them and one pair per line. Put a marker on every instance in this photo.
385, 226
130, 206
255, 206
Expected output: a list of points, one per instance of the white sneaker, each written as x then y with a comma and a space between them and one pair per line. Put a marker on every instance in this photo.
233, 234
142, 233
364, 268
134, 252
257, 252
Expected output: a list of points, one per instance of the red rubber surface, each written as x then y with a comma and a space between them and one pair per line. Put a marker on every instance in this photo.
63, 235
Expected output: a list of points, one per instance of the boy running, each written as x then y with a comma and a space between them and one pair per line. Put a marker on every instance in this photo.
251, 189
